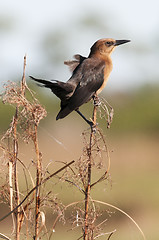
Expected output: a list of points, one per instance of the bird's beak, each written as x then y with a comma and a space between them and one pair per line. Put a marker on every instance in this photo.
119, 42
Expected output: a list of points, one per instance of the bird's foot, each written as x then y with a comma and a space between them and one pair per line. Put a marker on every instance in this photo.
90, 123
93, 126
96, 101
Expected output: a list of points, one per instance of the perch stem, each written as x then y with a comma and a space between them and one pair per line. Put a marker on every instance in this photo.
87, 190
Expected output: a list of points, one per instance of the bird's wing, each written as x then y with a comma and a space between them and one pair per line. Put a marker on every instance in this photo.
73, 64
90, 77
60, 89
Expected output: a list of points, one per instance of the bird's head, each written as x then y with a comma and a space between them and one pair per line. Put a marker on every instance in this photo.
104, 47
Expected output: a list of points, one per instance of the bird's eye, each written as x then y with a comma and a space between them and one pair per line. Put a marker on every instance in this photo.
108, 43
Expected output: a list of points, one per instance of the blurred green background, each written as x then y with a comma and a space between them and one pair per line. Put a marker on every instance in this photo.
50, 32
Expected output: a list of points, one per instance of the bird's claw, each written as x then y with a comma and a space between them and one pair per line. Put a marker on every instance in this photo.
93, 126
96, 101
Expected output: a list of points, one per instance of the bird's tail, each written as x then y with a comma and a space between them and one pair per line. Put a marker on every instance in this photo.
46, 83
63, 112
61, 89
57, 87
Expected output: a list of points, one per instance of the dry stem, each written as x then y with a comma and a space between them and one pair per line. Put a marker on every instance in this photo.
38, 180
34, 188
16, 186
87, 190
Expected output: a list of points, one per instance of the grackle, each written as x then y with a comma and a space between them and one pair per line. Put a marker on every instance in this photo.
89, 77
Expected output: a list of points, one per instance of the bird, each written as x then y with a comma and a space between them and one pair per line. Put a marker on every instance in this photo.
88, 79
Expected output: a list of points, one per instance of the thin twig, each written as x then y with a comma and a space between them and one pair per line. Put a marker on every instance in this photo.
23, 82
60, 214
81, 190
10, 169
102, 178
33, 189
102, 234
120, 210
2, 236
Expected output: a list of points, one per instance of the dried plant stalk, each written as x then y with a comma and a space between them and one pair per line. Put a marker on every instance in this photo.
87, 189
38, 180
15, 174
27, 116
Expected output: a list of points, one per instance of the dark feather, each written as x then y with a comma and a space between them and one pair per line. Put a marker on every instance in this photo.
72, 64
90, 77
60, 89
87, 78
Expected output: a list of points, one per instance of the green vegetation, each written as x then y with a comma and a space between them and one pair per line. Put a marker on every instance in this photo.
138, 111
135, 111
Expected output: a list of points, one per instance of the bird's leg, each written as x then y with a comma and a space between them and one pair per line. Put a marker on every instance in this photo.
91, 124
96, 100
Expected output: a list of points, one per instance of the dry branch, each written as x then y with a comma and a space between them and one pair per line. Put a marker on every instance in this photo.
33, 189
87, 190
